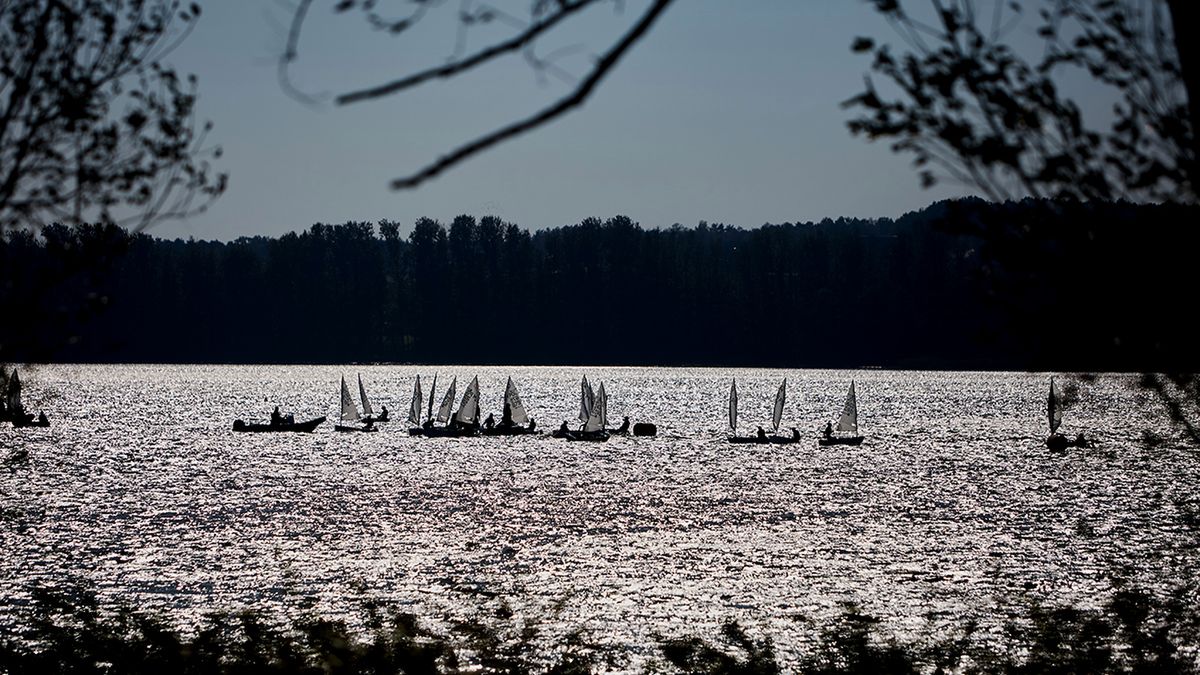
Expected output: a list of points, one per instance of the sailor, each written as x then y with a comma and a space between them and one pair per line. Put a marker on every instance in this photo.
368, 424
383, 413
276, 418
42, 418
490, 421
428, 424
1080, 441
532, 425
828, 429
762, 435
563, 429
624, 426
795, 435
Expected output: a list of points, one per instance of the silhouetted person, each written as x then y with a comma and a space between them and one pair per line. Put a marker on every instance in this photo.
490, 422
795, 434
383, 414
532, 425
428, 424
369, 424
762, 434
564, 429
1080, 441
276, 417
828, 429
624, 426
42, 419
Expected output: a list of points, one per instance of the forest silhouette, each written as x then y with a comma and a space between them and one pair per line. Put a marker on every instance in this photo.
960, 284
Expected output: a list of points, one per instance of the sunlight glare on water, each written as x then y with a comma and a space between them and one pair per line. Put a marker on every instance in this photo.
951, 509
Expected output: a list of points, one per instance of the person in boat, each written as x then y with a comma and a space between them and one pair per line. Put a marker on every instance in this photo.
490, 422
795, 435
624, 429
428, 424
276, 417
828, 433
368, 424
532, 425
43, 421
762, 434
1080, 441
564, 429
383, 414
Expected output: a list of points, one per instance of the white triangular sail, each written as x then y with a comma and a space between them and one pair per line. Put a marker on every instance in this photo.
849, 419
1053, 409
595, 420
414, 409
733, 407
780, 397
513, 400
13, 395
444, 409
349, 410
468, 410
587, 399
362, 395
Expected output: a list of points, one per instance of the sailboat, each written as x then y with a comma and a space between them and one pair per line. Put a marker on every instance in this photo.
776, 418
13, 408
350, 413
848, 422
514, 417
1054, 415
368, 413
430, 428
466, 420
414, 408
594, 427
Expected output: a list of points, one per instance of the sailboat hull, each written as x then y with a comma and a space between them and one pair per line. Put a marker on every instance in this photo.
748, 439
442, 432
841, 440
19, 423
510, 431
347, 428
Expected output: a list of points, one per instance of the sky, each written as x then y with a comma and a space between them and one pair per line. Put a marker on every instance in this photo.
726, 112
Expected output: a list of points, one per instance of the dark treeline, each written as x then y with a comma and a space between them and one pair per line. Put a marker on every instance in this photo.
957, 285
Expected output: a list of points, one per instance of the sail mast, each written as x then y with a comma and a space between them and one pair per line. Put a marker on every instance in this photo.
780, 397
414, 408
1053, 409
849, 418
733, 406
362, 394
349, 410
432, 389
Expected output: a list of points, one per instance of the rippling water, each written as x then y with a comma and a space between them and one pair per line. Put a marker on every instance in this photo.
951, 509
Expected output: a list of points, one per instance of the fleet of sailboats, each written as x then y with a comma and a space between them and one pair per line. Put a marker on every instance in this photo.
593, 415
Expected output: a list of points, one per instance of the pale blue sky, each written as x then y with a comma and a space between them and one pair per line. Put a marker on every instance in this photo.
727, 112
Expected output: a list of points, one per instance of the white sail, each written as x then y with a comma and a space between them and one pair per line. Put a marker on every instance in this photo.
733, 407
602, 404
513, 400
1053, 409
414, 409
443, 415
595, 420
777, 413
468, 410
13, 395
849, 418
587, 399
362, 395
349, 410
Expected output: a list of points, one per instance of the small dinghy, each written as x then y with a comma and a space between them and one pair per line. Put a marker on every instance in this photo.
304, 427
1056, 441
848, 422
776, 418
596, 406
514, 421
11, 407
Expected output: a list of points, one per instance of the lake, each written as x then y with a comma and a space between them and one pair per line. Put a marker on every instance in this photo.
951, 509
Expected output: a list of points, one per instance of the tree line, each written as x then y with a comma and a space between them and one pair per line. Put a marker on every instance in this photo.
960, 284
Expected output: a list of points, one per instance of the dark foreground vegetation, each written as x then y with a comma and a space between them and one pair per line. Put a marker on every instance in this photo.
68, 631
960, 284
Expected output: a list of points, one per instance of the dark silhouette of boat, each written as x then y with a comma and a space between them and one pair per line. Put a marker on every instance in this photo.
465, 422
306, 427
776, 417
28, 420
12, 409
1056, 441
645, 429
348, 428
